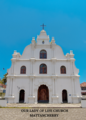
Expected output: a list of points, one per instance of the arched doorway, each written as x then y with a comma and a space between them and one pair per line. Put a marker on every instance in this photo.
64, 96
43, 94
21, 96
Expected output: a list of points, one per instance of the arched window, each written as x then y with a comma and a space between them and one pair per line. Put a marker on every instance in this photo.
63, 70
43, 54
43, 69
23, 70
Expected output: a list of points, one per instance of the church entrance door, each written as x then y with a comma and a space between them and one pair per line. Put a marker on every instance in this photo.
43, 94
21, 96
64, 96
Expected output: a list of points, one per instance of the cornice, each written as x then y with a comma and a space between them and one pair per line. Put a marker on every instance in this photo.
52, 59
43, 76
10, 97
31, 97
55, 97
76, 97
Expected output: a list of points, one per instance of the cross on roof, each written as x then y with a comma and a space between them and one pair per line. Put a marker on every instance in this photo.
43, 26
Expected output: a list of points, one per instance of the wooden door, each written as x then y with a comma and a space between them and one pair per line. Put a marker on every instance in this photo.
43, 93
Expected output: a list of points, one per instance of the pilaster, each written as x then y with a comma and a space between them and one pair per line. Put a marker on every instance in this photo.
12, 87
33, 46
32, 65
8, 87
53, 88
31, 96
53, 65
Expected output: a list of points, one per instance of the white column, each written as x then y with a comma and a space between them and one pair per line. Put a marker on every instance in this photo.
10, 81
53, 87
36, 95
71, 68
14, 71
8, 87
53, 68
32, 51
12, 67
53, 52
57, 93
73, 86
33, 86
11, 86
30, 87
31, 67
50, 96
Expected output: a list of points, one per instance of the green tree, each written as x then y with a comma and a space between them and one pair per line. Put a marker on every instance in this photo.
0, 80
4, 79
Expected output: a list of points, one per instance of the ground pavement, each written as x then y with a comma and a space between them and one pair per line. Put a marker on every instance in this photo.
43, 112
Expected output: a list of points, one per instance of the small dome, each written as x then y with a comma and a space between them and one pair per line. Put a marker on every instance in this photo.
43, 36
43, 32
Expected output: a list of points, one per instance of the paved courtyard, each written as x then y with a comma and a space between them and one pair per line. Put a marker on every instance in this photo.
43, 113
44, 105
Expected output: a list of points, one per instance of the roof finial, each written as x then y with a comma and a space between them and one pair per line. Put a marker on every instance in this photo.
43, 26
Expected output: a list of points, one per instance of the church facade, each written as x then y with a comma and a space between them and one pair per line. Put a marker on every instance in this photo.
43, 74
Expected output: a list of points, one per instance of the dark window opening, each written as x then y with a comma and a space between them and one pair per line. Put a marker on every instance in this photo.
43, 54
43, 69
63, 70
23, 70
83, 88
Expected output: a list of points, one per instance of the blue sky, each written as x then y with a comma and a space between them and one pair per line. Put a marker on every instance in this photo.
20, 20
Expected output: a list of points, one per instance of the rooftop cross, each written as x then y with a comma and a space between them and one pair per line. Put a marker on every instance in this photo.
43, 26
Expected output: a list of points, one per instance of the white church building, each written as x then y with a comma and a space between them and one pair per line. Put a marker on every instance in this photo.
43, 74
